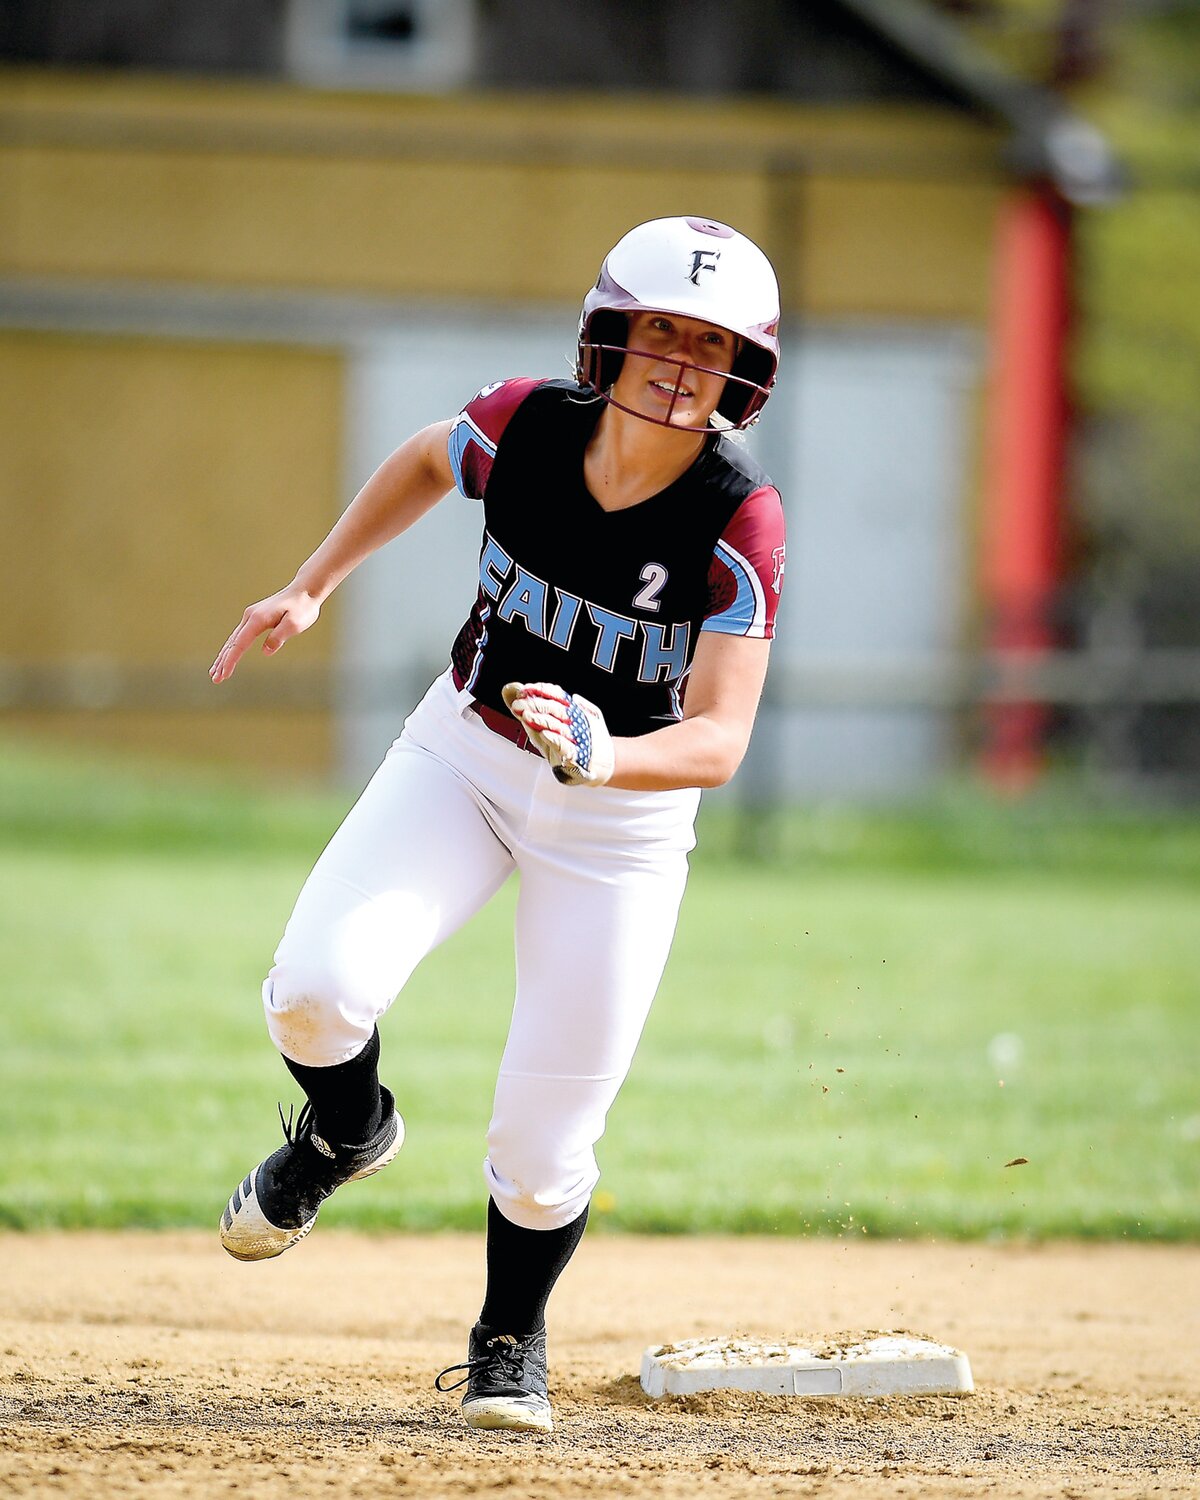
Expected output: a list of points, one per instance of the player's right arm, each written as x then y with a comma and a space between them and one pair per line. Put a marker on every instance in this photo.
400, 491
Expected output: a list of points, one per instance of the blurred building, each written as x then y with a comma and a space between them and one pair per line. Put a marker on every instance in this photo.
247, 248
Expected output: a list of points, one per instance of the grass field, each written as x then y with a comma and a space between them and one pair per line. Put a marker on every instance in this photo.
853, 1037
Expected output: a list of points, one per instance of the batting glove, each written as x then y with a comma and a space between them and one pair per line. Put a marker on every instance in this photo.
568, 730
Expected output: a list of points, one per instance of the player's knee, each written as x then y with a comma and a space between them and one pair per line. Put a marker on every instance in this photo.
535, 1186
315, 1016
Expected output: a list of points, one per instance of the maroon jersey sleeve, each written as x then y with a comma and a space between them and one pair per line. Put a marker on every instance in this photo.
478, 429
745, 577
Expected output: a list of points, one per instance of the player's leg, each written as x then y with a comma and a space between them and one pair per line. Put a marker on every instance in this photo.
591, 950
412, 861
594, 928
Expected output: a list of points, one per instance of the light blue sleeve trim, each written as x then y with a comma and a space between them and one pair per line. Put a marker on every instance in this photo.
739, 617
463, 432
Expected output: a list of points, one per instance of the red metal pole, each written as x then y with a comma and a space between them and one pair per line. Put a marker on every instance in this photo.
1023, 481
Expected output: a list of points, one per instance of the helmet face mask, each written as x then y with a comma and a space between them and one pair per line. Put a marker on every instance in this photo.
696, 269
745, 397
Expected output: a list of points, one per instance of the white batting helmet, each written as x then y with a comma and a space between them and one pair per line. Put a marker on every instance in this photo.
694, 268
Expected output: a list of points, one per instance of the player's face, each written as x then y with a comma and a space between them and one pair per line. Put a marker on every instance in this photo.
653, 383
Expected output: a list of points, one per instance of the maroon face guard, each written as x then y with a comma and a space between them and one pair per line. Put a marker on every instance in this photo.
756, 394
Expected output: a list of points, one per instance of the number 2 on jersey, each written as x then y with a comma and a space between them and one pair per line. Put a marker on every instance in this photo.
654, 576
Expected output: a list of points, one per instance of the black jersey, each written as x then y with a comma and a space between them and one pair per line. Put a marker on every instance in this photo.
609, 604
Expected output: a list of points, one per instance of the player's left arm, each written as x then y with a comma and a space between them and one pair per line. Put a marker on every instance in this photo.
730, 662
724, 684
706, 747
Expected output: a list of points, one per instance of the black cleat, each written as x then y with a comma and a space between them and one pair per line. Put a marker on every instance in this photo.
276, 1205
505, 1381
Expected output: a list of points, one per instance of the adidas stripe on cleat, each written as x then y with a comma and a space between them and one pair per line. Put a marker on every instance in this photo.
276, 1205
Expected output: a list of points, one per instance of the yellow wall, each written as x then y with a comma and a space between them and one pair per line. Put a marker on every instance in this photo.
880, 211
149, 490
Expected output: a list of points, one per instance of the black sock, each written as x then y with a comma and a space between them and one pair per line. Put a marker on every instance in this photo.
522, 1267
345, 1098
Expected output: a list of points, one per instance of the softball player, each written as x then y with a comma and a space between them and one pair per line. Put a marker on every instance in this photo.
634, 554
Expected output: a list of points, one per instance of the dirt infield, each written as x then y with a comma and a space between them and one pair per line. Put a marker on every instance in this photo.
152, 1364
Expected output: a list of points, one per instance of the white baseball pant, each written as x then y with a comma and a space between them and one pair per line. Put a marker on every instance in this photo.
451, 812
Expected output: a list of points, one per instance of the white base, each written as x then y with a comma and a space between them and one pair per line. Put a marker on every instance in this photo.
890, 1364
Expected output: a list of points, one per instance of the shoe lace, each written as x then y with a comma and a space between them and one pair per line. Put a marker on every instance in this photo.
506, 1356
304, 1123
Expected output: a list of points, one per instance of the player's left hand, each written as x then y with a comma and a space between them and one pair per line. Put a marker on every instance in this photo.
568, 730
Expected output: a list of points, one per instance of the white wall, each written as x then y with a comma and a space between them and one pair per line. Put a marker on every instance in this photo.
870, 437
